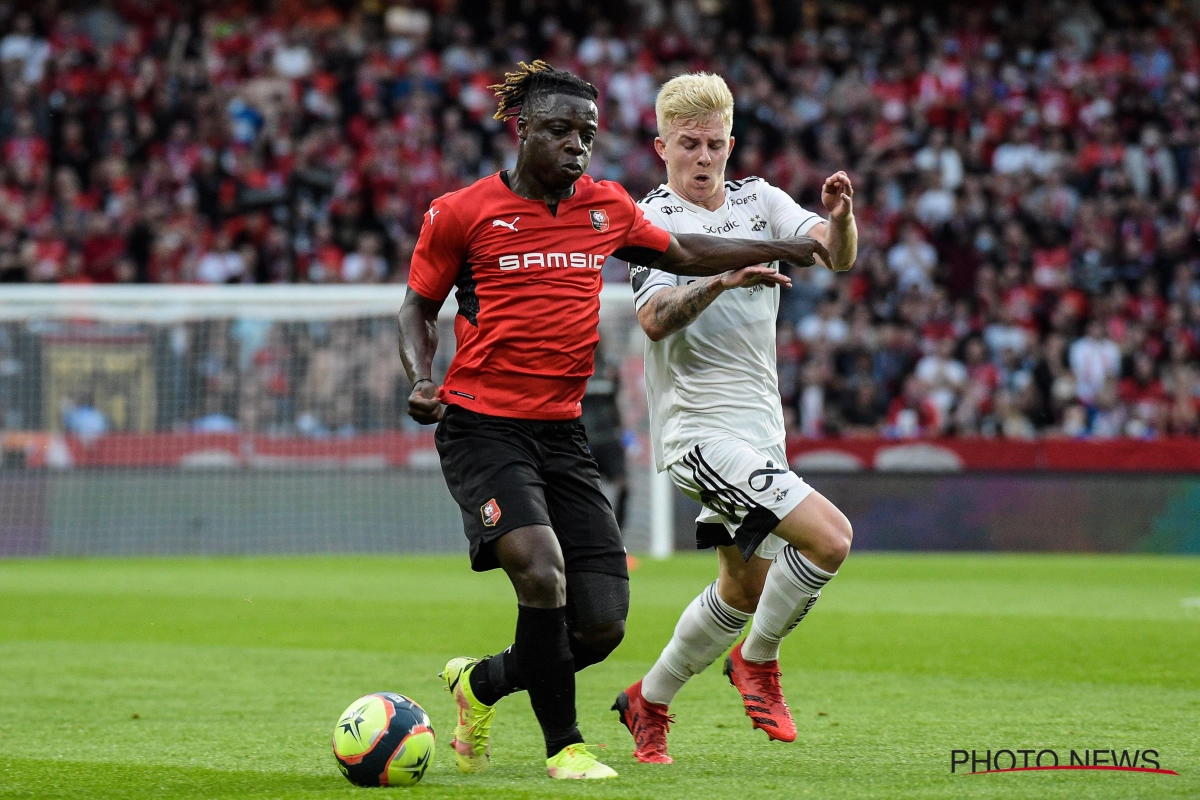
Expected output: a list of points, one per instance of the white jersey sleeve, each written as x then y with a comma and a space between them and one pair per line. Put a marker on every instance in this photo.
647, 281
787, 217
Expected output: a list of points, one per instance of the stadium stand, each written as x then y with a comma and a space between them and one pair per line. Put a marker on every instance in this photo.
1027, 182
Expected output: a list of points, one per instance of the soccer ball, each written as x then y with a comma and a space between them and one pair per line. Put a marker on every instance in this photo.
383, 739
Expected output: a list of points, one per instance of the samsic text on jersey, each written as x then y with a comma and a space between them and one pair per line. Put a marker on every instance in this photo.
528, 289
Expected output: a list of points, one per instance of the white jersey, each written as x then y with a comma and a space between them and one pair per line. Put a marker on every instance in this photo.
717, 375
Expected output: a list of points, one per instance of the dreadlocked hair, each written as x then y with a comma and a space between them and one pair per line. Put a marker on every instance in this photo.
537, 80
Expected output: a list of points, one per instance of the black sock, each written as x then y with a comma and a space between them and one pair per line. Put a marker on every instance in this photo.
499, 676
543, 655
496, 677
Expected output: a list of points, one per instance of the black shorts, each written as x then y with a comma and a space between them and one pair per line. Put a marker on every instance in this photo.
508, 473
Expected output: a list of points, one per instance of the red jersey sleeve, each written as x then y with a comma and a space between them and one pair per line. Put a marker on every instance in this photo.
439, 254
642, 233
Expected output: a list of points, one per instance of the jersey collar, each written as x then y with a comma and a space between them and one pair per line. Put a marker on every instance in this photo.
720, 215
503, 177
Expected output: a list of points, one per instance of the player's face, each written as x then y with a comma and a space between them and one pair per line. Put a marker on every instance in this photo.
696, 152
557, 139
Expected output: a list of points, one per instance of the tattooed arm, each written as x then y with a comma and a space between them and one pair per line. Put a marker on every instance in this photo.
670, 310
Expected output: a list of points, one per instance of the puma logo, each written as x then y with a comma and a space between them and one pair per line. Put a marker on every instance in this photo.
512, 226
433, 212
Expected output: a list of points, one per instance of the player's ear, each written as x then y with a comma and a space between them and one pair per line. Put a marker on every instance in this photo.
731, 143
522, 127
660, 147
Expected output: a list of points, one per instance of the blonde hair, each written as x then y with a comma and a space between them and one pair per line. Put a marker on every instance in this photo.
694, 96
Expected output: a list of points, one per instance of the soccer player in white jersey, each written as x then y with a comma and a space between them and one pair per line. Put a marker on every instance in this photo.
716, 419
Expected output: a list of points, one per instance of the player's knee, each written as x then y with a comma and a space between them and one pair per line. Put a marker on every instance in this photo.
833, 545
541, 584
604, 637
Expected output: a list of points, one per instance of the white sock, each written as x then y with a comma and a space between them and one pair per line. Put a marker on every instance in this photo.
706, 629
792, 587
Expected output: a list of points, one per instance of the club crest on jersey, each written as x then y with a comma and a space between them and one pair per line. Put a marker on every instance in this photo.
599, 220
490, 511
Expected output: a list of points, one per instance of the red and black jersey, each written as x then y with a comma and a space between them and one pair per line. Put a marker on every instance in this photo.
528, 290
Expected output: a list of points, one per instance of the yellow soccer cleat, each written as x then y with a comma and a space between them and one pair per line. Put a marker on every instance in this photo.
576, 762
472, 749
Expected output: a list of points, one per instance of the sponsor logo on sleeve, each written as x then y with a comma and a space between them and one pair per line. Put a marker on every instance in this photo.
638, 275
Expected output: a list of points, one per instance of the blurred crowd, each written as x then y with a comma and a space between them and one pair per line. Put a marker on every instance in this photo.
1027, 174
314, 378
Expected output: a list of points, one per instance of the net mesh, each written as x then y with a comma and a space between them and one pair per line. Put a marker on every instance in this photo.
237, 420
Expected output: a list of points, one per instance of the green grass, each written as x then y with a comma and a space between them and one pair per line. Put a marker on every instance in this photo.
157, 678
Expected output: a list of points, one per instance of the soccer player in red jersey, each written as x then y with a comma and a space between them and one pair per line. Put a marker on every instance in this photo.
524, 249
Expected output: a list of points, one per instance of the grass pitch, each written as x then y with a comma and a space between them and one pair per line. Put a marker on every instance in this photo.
155, 678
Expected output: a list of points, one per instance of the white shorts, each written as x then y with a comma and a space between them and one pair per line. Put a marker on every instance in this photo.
745, 492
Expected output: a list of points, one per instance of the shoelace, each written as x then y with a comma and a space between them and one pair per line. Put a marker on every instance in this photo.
582, 749
654, 715
766, 684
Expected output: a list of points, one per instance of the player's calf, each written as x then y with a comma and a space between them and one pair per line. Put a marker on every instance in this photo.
740, 580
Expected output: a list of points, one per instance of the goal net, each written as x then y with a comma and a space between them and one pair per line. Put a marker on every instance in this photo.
248, 419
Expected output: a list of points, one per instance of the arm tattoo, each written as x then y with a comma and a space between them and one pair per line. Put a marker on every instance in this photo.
675, 309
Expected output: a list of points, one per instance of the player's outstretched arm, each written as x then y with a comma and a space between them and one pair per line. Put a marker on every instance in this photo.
840, 234
418, 342
672, 309
700, 254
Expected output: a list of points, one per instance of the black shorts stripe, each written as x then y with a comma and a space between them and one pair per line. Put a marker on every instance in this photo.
747, 501
714, 486
726, 503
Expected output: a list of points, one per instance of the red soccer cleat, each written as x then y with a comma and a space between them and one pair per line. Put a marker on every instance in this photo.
647, 722
761, 694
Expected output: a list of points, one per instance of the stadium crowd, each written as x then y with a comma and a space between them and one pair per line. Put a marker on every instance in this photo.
1027, 173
